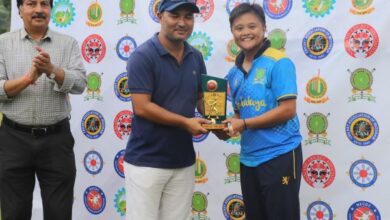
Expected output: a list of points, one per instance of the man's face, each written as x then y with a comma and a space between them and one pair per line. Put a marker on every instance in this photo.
35, 14
177, 25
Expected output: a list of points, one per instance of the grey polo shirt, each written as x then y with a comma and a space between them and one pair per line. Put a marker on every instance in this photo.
46, 102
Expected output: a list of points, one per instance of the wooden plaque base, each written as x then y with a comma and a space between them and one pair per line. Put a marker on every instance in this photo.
214, 126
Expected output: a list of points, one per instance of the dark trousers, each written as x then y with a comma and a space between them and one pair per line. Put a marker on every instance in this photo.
51, 159
271, 190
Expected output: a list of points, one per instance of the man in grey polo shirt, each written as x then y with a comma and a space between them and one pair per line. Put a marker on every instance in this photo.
38, 69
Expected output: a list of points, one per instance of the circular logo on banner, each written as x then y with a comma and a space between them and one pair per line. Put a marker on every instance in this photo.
118, 163
93, 48
199, 137
121, 87
318, 8
95, 14
277, 9
317, 123
92, 124
361, 41
319, 210
363, 173
233, 163
363, 210
278, 38
362, 7
317, 43
93, 162
122, 124
233, 207
120, 201
199, 202
231, 4
316, 89
318, 171
63, 13
153, 9
125, 46
233, 50
94, 200
361, 79
206, 10
202, 42
94, 82
200, 171
362, 129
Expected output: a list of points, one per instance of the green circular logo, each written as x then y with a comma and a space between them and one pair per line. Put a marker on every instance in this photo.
361, 79
95, 12
318, 8
278, 38
362, 4
199, 202
127, 6
94, 81
63, 13
317, 123
316, 87
233, 163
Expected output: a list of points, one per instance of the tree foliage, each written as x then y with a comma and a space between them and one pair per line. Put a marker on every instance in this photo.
5, 15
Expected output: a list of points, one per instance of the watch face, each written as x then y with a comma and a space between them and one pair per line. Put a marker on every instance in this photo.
52, 76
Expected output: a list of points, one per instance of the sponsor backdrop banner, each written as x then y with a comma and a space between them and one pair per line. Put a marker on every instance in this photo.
341, 51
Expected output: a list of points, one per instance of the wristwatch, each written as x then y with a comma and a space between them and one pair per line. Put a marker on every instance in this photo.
52, 75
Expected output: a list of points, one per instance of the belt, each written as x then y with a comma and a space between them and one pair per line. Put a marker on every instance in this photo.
36, 131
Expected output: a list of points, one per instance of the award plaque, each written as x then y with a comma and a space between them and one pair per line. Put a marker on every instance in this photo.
214, 101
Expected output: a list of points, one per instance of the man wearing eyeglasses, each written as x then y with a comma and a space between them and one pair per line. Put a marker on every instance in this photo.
38, 70
164, 79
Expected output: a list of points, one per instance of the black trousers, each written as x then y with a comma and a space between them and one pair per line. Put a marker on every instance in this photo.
271, 190
48, 157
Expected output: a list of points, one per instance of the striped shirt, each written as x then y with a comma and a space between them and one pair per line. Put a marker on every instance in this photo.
46, 102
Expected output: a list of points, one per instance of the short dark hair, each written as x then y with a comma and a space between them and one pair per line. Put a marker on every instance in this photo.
20, 2
244, 8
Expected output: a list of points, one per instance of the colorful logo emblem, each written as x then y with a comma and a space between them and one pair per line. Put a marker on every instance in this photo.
93, 162
317, 123
259, 77
93, 48
316, 90
125, 46
318, 8
318, 171
361, 41
94, 200
277, 9
63, 13
362, 210
317, 43
362, 129
118, 163
231, 4
120, 201
94, 82
206, 10
122, 124
202, 42
92, 124
233, 165
233, 50
319, 210
278, 38
233, 207
363, 173
127, 11
153, 9
200, 170
95, 14
199, 137
362, 7
121, 87
361, 81
199, 206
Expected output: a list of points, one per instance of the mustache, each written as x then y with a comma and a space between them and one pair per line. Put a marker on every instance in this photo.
39, 15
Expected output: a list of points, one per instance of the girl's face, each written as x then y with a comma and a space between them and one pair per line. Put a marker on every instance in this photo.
248, 32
